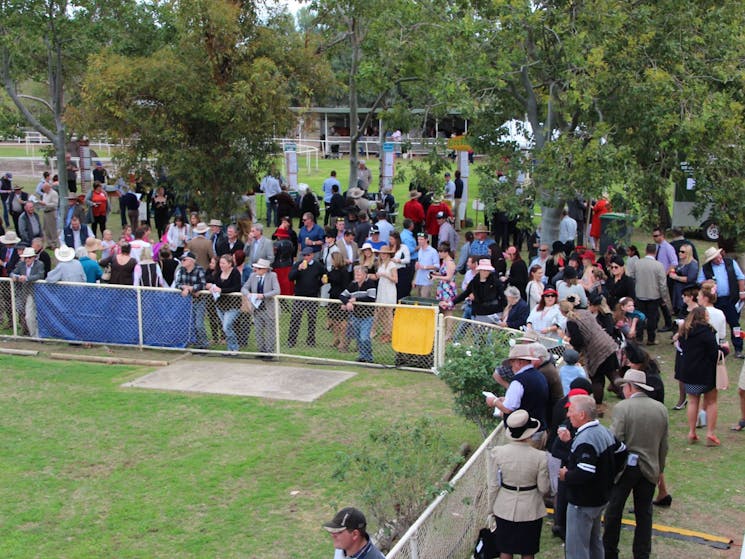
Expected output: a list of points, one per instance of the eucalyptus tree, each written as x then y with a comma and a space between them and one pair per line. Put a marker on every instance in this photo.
392, 55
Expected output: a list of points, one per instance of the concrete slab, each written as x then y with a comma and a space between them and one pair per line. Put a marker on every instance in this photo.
243, 378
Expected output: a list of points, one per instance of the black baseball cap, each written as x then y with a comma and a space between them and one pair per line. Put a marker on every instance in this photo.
348, 518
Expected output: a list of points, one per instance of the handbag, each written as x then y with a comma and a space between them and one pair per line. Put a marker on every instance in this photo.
486, 545
106, 276
722, 376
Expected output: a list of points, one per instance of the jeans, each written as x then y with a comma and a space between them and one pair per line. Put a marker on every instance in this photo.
228, 318
361, 327
271, 210
584, 532
643, 489
199, 332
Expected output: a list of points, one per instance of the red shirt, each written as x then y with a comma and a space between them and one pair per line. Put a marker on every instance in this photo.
432, 227
414, 210
100, 200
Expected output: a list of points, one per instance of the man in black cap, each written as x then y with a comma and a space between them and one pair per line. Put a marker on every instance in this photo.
348, 531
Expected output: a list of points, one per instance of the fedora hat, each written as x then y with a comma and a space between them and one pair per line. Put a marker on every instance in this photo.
711, 253
637, 378
28, 252
201, 227
355, 192
64, 253
414, 194
481, 229
521, 426
521, 351
10, 238
262, 263
215, 223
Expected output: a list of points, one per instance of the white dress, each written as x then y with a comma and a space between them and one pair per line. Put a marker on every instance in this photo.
386, 288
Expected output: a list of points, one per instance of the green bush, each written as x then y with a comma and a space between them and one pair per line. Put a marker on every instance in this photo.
468, 371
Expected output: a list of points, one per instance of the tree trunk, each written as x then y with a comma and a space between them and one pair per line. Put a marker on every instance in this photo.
550, 224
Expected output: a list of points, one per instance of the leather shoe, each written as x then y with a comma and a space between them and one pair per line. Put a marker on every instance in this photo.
680, 406
665, 502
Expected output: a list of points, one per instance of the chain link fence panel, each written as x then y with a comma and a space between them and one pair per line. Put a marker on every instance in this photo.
449, 527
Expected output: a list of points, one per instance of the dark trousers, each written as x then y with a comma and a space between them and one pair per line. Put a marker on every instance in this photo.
632, 480
296, 317
98, 221
727, 306
651, 308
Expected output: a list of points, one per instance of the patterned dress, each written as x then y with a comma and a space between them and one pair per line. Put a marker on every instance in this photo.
446, 290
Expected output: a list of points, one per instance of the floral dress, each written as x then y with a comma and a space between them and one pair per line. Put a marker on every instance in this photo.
446, 290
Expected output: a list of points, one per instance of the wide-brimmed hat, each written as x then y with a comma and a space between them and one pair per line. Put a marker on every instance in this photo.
72, 196
201, 227
482, 229
485, 264
588, 255
386, 249
92, 244
637, 378
366, 246
17, 187
10, 238
262, 263
28, 252
64, 253
711, 253
215, 223
520, 351
521, 426
557, 247
355, 192
437, 198
414, 194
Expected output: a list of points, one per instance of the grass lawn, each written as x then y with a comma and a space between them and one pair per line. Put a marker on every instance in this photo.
94, 470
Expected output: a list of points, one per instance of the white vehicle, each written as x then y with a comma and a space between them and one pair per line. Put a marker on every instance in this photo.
683, 202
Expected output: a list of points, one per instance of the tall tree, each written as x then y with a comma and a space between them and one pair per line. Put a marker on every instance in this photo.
206, 106
390, 54
48, 41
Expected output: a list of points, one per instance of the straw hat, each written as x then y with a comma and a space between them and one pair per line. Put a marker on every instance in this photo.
481, 229
262, 263
414, 194
215, 223
64, 253
10, 238
201, 227
28, 252
92, 244
711, 253
386, 249
355, 192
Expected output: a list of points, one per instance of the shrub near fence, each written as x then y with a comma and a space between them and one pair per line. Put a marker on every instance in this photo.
162, 318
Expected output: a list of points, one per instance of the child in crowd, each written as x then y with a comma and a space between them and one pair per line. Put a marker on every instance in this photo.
108, 245
628, 320
570, 370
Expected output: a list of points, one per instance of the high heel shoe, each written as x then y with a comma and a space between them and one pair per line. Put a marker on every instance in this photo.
665, 502
712, 440
680, 406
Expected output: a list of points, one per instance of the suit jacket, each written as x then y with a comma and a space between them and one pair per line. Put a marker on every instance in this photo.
265, 249
201, 246
36, 273
651, 281
12, 259
521, 465
223, 246
271, 289
642, 424
355, 250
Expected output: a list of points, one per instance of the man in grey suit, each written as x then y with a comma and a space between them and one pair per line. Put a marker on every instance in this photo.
258, 246
651, 290
260, 289
642, 424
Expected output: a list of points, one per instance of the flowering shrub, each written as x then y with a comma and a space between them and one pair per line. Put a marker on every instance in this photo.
468, 371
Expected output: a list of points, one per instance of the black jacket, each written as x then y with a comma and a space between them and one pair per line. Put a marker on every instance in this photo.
308, 281
488, 296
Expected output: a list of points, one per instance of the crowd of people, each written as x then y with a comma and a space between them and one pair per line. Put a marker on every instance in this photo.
600, 306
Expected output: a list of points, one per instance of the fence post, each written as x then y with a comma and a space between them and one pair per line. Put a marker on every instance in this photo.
13, 311
441, 339
277, 304
139, 316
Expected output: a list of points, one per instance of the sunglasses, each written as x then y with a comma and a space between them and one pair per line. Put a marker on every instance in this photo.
549, 295
615, 266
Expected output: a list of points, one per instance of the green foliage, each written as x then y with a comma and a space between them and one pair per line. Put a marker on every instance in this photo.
426, 172
398, 465
205, 106
468, 371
